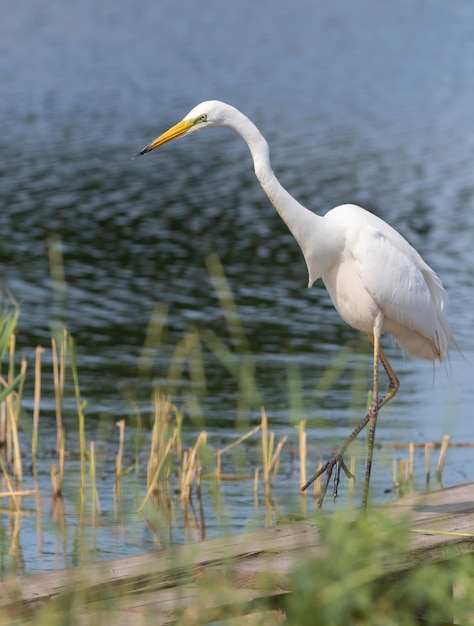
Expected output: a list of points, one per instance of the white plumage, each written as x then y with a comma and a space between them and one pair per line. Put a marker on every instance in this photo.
377, 281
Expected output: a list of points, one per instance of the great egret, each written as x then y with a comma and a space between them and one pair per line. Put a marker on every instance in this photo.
377, 281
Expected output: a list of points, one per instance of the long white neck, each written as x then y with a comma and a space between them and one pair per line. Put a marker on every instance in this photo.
307, 227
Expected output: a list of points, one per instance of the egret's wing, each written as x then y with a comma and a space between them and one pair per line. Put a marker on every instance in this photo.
405, 288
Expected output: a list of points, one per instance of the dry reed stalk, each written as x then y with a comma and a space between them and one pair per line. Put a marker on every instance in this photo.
20, 493
191, 525
36, 405
9, 401
95, 493
39, 515
62, 358
302, 450
267, 451
190, 467
7, 408
11, 491
154, 485
58, 392
233, 478
255, 486
159, 437
162, 447
119, 455
81, 405
56, 472
218, 473
57, 511
270, 454
17, 465
238, 441
8, 434
117, 490
275, 462
12, 411
61, 457
411, 460
442, 456
55, 485
15, 519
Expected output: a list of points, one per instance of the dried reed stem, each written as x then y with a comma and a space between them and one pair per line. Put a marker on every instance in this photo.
56, 472
17, 466
9, 401
11, 492
36, 406
16, 520
302, 450
190, 467
255, 486
220, 452
270, 454
22, 492
13, 406
158, 465
95, 493
58, 392
411, 460
119, 455
275, 462
81, 405
267, 451
442, 456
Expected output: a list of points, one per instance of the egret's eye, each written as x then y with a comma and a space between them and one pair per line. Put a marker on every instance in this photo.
202, 118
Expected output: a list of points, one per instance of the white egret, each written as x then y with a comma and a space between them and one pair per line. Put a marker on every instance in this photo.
377, 281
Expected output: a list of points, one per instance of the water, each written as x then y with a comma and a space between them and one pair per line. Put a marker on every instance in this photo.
360, 102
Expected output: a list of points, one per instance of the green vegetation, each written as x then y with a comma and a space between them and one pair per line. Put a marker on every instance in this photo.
364, 577
160, 477
364, 574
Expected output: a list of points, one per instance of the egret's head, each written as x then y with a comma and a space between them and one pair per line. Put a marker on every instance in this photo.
204, 115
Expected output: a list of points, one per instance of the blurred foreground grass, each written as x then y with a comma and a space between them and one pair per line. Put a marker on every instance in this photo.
345, 586
360, 576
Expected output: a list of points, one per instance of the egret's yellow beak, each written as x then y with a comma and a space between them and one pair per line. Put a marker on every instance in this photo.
178, 130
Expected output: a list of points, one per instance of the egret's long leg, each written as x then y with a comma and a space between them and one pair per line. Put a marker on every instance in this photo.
375, 407
336, 461
394, 384
373, 414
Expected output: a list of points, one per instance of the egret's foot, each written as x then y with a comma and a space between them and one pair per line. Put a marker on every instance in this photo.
337, 462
